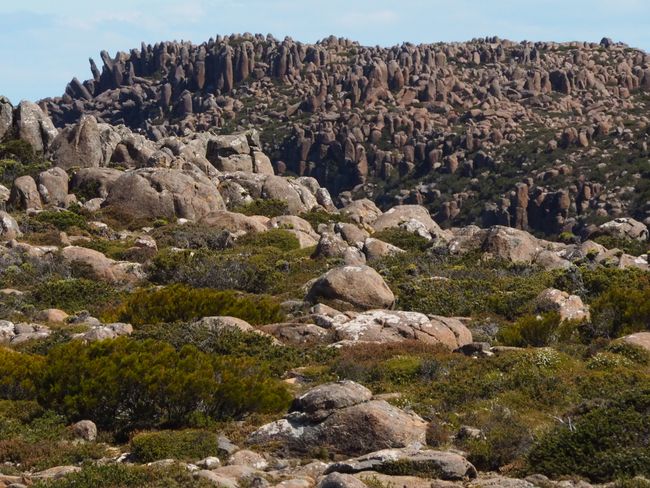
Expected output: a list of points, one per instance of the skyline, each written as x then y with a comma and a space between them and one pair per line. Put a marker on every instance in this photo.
43, 45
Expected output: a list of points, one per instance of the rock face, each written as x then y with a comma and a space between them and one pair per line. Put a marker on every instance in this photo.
34, 127
78, 146
6, 116
342, 417
625, 228
359, 286
164, 193
383, 326
412, 461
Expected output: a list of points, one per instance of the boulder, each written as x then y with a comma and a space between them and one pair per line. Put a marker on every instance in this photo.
25, 195
297, 334
34, 126
235, 223
344, 420
362, 211
91, 183
384, 326
85, 430
6, 116
153, 193
570, 307
55, 181
235, 162
248, 458
413, 218
410, 461
103, 267
79, 145
359, 286
640, 339
262, 164
513, 245
224, 323
339, 480
625, 228
376, 249
51, 315
9, 228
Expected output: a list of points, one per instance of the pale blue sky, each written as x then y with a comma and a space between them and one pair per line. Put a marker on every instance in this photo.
44, 43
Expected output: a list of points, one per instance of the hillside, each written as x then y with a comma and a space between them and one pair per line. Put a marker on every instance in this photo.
255, 264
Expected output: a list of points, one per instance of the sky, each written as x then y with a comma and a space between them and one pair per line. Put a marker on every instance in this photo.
45, 43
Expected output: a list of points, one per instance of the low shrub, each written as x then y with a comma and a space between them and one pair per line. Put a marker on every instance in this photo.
620, 311
182, 445
318, 216
124, 384
531, 330
62, 219
74, 294
182, 303
277, 238
602, 443
19, 375
403, 239
191, 236
267, 207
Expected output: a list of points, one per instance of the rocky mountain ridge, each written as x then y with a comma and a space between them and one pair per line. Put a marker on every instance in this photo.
540, 135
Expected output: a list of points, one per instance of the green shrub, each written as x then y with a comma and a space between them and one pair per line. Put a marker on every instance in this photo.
531, 330
183, 445
318, 216
43, 454
269, 208
602, 443
62, 219
620, 311
191, 236
628, 246
124, 384
181, 303
403, 239
127, 476
19, 375
277, 238
73, 295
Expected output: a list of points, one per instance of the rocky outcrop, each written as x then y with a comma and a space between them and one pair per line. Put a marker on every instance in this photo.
385, 326
34, 126
343, 418
569, 307
163, 193
102, 267
78, 146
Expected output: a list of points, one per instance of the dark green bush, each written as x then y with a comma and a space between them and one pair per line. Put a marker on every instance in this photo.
402, 239
19, 375
603, 443
182, 303
127, 476
277, 238
124, 384
62, 219
620, 311
183, 445
73, 295
317, 217
269, 208
531, 330
629, 246
191, 236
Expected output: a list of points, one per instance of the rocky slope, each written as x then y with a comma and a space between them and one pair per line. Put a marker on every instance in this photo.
541, 135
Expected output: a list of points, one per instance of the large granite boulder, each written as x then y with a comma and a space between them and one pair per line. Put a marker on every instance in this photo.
152, 193
79, 145
34, 126
359, 286
384, 326
343, 418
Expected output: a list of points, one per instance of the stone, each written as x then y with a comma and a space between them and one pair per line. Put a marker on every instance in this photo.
34, 127
385, 326
55, 180
9, 228
362, 211
408, 217
640, 339
223, 323
153, 193
6, 116
52, 315
56, 473
248, 458
376, 249
210, 462
359, 286
411, 460
92, 183
85, 430
79, 145
25, 195
235, 223
570, 307
262, 164
338, 480
339, 417
625, 228
104, 268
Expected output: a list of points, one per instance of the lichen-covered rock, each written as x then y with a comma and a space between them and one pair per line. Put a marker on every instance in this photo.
570, 307
34, 126
25, 194
79, 145
410, 461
